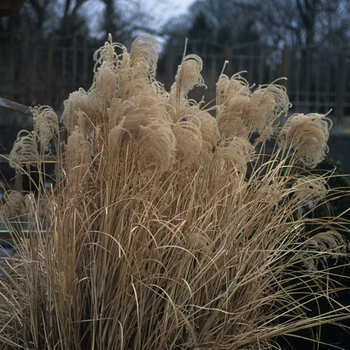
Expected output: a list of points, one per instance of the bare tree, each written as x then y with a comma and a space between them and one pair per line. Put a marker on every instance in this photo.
31, 16
125, 19
298, 22
40, 17
279, 22
72, 20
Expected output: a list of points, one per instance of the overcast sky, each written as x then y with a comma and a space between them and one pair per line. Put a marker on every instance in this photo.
162, 10
177, 7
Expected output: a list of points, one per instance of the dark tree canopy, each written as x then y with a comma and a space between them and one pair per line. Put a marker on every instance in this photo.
277, 22
124, 19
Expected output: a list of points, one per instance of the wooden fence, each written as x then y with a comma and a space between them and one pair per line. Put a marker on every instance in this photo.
43, 71
38, 71
318, 79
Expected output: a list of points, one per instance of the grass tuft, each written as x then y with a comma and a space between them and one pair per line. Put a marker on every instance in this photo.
168, 228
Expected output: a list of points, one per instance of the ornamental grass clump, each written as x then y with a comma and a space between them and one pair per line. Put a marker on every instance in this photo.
169, 228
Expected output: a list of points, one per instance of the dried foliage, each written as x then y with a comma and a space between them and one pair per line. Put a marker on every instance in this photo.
157, 236
307, 136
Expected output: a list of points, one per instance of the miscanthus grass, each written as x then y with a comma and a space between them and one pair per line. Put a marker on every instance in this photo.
169, 228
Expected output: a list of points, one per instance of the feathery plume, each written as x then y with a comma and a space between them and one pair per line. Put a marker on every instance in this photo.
144, 55
307, 136
78, 152
78, 102
236, 152
267, 104
233, 97
156, 146
24, 151
187, 77
115, 137
210, 135
45, 123
104, 88
14, 205
107, 54
188, 140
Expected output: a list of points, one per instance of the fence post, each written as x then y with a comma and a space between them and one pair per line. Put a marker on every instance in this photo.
169, 65
340, 98
75, 62
85, 62
227, 57
19, 181
49, 70
285, 67
12, 63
